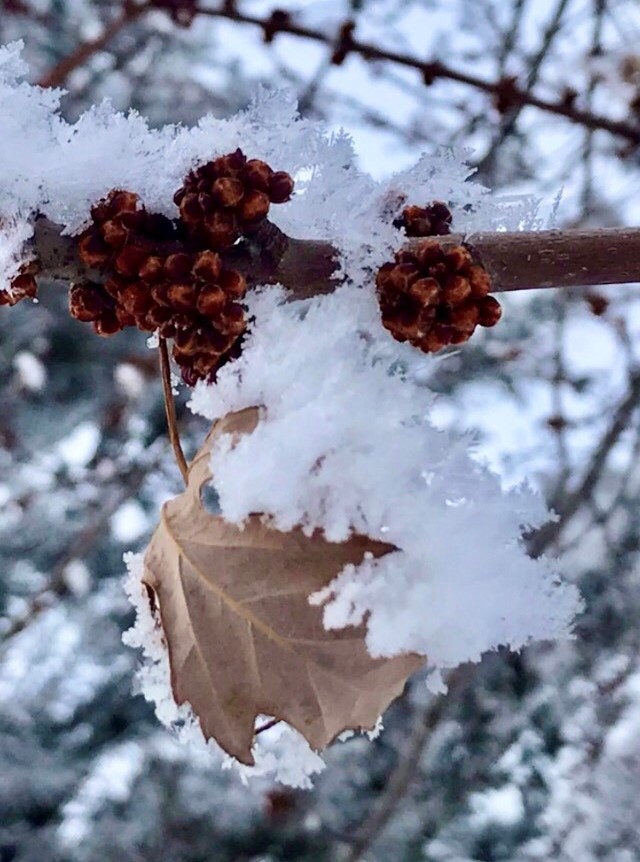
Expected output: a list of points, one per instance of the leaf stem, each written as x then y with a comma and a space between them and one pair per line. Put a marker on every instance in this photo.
267, 725
170, 410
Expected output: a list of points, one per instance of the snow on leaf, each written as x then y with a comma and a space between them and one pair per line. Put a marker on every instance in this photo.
243, 639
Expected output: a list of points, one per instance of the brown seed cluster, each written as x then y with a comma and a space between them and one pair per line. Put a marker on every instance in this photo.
153, 283
432, 220
433, 297
229, 197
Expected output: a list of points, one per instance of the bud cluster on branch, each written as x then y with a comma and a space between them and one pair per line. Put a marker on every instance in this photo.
186, 278
170, 276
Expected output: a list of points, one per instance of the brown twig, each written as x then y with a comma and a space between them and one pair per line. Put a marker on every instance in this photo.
56, 76
170, 410
506, 90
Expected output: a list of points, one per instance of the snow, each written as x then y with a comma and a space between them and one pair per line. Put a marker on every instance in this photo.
81, 445
111, 778
130, 380
77, 578
61, 169
500, 805
31, 372
345, 445
129, 522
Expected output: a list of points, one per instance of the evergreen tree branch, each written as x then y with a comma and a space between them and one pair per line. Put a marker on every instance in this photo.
80, 545
401, 778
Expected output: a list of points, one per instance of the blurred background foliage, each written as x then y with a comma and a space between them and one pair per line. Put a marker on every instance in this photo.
534, 756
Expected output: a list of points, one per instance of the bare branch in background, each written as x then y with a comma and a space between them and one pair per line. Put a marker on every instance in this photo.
57, 76
508, 94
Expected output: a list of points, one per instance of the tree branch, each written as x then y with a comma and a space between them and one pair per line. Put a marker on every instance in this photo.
506, 89
544, 537
514, 260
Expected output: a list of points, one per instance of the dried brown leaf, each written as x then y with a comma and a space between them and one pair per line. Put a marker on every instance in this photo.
243, 639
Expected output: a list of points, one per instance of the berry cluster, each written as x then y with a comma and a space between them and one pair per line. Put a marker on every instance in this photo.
432, 220
433, 297
153, 283
228, 198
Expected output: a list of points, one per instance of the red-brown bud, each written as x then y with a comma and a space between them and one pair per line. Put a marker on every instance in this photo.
257, 174
87, 301
254, 206
211, 301
490, 311
280, 187
221, 228
152, 270
190, 209
135, 299
465, 317
227, 191
457, 258
456, 290
182, 296
479, 281
230, 164
207, 266
107, 324
232, 320
233, 283
403, 276
426, 291
178, 265
130, 260
92, 250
